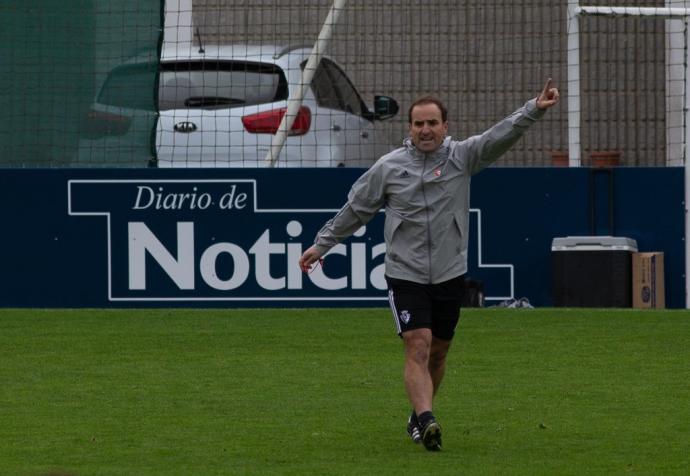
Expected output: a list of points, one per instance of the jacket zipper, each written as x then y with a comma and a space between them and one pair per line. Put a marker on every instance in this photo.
428, 225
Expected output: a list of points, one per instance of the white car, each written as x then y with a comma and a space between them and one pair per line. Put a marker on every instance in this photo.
220, 106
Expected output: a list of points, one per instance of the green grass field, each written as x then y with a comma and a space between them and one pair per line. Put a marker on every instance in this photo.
317, 392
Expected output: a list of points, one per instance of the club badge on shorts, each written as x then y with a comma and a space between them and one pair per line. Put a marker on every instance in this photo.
405, 316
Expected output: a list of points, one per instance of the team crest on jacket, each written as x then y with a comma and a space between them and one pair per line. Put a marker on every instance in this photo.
437, 172
405, 316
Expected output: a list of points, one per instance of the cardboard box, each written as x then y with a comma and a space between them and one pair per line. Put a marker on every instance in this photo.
648, 280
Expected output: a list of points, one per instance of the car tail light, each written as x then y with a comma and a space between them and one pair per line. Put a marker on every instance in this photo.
267, 122
98, 124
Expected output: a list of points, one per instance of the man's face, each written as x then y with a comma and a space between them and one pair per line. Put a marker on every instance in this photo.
427, 129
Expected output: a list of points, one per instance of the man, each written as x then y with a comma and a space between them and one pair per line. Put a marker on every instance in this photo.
425, 189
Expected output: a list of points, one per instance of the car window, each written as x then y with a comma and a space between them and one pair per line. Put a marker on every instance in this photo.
324, 90
333, 89
130, 86
219, 84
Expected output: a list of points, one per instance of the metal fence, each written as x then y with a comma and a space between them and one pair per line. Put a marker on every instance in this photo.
484, 58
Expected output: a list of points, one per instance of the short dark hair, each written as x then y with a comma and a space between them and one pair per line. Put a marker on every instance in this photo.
428, 100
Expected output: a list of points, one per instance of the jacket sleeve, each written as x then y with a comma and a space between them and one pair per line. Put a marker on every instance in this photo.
484, 149
365, 199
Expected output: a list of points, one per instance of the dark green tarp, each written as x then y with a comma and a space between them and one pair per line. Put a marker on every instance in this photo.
54, 59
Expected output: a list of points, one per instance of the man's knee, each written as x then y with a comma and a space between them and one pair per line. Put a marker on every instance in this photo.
418, 345
438, 353
437, 358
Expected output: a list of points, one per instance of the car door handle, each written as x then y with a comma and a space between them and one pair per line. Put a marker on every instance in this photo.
365, 134
336, 128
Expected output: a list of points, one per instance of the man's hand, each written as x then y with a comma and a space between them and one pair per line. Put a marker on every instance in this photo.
548, 97
309, 257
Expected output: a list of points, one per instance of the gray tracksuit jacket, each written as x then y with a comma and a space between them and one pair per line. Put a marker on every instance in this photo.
426, 199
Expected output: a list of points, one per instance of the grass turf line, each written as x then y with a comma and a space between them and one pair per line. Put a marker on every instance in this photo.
166, 392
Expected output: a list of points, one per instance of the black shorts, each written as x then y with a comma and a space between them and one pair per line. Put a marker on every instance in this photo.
432, 306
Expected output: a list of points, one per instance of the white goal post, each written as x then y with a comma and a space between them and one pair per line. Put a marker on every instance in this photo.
294, 103
575, 11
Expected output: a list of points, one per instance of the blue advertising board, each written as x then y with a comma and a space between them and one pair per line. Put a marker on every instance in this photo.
193, 237
211, 240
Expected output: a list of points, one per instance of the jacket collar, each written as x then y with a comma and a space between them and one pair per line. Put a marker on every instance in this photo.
440, 153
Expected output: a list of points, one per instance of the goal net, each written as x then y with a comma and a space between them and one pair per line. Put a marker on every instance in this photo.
205, 83
627, 94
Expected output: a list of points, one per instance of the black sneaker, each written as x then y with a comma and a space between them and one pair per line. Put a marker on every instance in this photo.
431, 436
413, 429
